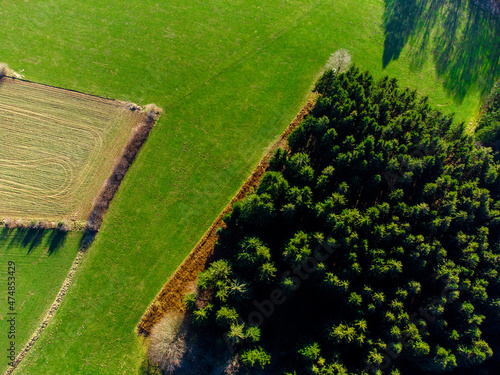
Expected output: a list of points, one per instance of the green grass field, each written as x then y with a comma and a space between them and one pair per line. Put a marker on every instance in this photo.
229, 75
41, 262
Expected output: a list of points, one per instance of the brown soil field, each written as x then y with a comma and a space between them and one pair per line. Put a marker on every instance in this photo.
57, 148
171, 296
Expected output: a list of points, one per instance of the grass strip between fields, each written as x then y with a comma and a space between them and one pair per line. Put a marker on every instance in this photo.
53, 308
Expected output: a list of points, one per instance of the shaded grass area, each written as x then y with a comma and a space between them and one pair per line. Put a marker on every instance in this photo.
42, 260
462, 38
230, 76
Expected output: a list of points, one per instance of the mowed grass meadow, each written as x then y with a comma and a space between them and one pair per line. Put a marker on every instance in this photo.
229, 75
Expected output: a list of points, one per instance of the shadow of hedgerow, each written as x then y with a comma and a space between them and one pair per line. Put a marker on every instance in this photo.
462, 37
30, 238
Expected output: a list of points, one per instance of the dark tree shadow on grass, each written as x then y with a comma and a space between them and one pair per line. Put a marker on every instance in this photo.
31, 238
462, 37
56, 240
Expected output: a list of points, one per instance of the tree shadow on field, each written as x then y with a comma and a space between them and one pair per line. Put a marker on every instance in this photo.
462, 37
56, 240
31, 238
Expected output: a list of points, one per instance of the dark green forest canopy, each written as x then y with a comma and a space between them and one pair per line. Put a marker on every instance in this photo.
371, 247
488, 129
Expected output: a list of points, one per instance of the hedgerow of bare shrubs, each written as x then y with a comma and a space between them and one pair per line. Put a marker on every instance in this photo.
168, 342
62, 226
110, 187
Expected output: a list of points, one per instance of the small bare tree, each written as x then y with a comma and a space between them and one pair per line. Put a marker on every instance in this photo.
233, 366
9, 223
168, 342
4, 70
153, 111
339, 61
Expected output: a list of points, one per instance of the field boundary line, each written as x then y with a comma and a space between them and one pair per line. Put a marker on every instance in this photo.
138, 136
171, 295
63, 88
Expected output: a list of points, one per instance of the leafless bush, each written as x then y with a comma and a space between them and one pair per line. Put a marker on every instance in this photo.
339, 61
4, 70
153, 111
132, 106
63, 226
8, 222
21, 223
168, 342
44, 224
233, 366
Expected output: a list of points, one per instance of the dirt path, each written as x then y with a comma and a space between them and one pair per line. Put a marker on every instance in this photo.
171, 296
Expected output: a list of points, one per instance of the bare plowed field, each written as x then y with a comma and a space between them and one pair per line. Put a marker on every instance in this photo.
56, 149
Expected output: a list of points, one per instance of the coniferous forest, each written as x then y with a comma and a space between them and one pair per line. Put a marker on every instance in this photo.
371, 245
488, 129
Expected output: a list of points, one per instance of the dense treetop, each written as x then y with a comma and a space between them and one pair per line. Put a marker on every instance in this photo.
371, 246
488, 132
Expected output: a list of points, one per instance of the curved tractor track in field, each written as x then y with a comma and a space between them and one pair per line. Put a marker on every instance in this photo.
58, 146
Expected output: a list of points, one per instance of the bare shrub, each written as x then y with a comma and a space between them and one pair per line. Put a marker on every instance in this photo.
21, 223
44, 224
233, 366
4, 70
63, 226
339, 61
168, 342
9, 223
132, 106
153, 111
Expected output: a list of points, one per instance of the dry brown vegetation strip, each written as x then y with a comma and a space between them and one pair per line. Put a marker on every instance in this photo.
171, 296
138, 136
